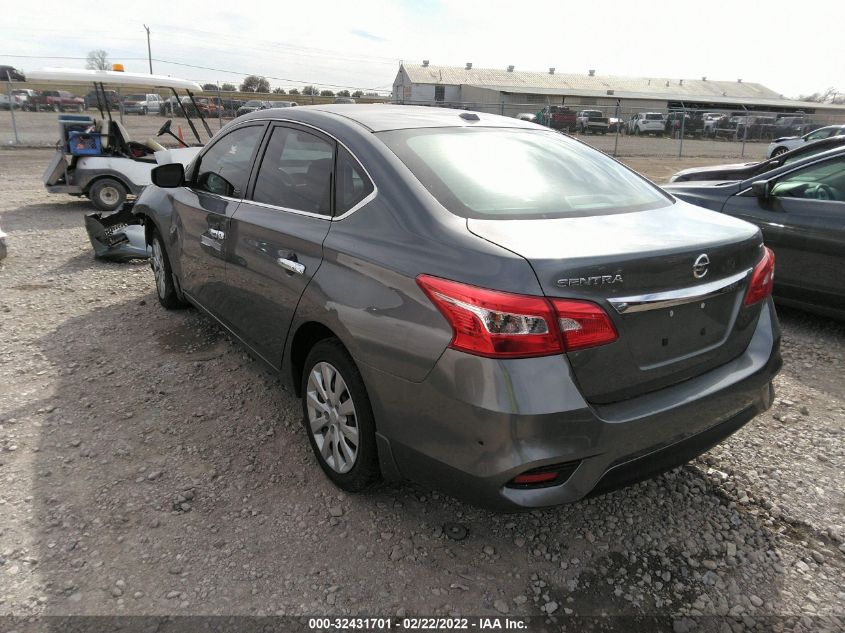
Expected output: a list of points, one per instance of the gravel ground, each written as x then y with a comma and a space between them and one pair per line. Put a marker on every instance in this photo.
41, 129
148, 466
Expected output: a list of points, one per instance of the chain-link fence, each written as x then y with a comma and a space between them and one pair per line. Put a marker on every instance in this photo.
624, 130
620, 129
28, 112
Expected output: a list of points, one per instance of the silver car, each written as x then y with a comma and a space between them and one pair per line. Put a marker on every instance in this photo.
469, 300
785, 143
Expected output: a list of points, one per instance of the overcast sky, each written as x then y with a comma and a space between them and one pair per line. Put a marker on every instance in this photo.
786, 46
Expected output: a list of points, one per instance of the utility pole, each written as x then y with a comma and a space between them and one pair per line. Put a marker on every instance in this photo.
149, 52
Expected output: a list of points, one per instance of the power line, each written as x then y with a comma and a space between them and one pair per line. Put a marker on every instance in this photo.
243, 74
219, 70
65, 57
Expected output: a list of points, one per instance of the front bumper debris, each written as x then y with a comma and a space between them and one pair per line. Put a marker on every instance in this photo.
117, 236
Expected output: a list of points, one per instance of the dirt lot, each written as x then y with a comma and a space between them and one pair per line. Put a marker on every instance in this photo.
148, 466
40, 129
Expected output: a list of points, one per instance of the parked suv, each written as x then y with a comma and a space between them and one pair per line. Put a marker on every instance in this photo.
141, 103
647, 123
519, 342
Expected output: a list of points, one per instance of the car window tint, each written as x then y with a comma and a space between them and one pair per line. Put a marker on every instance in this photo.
352, 183
818, 134
224, 168
500, 173
822, 181
296, 172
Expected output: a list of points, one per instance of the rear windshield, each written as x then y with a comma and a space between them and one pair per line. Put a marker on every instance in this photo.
496, 173
135, 98
653, 116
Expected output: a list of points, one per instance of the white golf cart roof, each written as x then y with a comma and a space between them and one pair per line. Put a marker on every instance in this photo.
110, 77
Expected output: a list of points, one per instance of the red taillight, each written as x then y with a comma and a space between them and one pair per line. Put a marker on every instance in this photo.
762, 279
583, 324
493, 323
506, 325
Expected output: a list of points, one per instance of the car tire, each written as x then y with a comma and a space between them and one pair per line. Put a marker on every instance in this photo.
778, 151
345, 449
107, 194
143, 112
166, 291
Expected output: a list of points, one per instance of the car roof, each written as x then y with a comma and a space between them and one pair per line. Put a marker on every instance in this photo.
830, 153
378, 117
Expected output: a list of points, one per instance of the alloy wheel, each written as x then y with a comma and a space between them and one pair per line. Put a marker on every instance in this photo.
331, 417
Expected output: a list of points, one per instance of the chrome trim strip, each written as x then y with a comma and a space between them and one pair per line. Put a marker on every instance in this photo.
670, 298
344, 215
310, 214
213, 195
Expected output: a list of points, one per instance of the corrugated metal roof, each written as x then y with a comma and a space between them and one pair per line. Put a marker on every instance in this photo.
540, 82
621, 94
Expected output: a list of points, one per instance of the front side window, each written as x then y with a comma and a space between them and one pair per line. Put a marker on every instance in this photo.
224, 168
507, 173
822, 181
296, 172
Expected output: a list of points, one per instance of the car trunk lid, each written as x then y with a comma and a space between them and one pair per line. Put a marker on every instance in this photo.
672, 280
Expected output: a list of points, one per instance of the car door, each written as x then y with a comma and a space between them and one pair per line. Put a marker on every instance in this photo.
204, 207
277, 235
803, 221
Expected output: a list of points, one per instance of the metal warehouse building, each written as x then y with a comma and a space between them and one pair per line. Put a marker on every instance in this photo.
509, 91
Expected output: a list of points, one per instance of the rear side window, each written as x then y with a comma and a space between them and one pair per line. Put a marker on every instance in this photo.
518, 174
296, 172
224, 168
353, 185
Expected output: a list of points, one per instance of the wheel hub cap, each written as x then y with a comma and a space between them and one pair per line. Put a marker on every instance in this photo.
331, 417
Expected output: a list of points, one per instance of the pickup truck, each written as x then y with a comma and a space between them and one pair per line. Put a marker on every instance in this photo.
711, 120
111, 96
793, 126
592, 121
691, 123
59, 101
557, 118
27, 98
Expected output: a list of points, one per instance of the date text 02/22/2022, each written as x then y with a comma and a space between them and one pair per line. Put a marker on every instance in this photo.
416, 624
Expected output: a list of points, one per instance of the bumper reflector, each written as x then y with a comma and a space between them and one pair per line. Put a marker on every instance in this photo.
545, 476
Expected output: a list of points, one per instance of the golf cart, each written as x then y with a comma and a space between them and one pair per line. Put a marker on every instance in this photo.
96, 157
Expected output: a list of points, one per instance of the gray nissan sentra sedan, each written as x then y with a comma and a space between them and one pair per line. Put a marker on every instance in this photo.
469, 300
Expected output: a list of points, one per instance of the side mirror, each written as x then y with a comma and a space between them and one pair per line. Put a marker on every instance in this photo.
761, 189
169, 176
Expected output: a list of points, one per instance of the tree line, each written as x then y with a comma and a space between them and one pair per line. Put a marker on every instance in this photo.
99, 60
256, 83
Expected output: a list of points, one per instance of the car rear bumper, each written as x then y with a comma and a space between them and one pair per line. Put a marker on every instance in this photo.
475, 423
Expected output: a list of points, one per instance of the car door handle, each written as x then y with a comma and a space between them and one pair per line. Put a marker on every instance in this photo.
217, 234
290, 265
